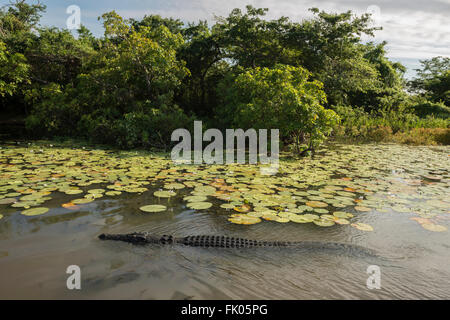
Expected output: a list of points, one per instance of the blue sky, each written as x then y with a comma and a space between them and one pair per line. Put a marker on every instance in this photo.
413, 29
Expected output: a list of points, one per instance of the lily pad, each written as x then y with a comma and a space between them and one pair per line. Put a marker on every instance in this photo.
35, 211
341, 221
7, 200
96, 191
176, 186
199, 205
362, 209
164, 194
316, 204
433, 227
195, 198
244, 219
227, 206
82, 201
362, 226
342, 214
113, 193
243, 208
73, 191
153, 208
324, 223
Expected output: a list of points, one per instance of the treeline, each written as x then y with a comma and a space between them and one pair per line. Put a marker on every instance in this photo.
145, 78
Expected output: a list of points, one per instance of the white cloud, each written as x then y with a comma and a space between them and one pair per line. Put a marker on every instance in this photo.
414, 29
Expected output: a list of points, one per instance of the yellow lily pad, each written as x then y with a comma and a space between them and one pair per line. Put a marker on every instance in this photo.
324, 223
316, 204
362, 226
433, 227
244, 219
362, 209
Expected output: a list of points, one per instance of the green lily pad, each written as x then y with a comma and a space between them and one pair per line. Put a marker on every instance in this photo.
113, 193
227, 206
342, 214
96, 191
7, 201
153, 208
35, 211
176, 186
199, 205
282, 220
82, 201
73, 191
164, 194
195, 198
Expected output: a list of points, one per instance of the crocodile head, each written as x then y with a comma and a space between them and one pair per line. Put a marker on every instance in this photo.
136, 238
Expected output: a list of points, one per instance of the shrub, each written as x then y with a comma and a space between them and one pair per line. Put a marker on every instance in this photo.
439, 110
424, 136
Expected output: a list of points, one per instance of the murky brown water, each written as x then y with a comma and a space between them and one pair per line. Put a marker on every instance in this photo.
35, 252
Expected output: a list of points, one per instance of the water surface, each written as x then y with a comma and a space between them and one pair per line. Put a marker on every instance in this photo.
404, 188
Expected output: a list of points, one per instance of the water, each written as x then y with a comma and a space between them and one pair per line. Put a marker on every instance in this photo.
414, 262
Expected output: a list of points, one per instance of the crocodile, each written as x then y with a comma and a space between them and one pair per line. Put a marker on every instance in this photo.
213, 241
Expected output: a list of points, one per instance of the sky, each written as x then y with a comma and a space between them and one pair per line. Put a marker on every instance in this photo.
414, 29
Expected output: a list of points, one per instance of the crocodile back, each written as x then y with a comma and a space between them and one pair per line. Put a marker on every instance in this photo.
228, 242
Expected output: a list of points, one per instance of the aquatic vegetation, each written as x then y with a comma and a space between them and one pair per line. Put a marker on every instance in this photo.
35, 211
362, 226
338, 188
199, 205
433, 227
153, 208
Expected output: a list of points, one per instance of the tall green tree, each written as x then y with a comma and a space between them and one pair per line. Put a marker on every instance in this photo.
13, 71
281, 98
249, 40
433, 80
331, 48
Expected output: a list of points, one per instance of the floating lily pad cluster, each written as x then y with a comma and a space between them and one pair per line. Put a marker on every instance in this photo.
339, 186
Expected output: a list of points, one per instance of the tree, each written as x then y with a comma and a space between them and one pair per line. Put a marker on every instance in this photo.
124, 93
251, 41
281, 98
13, 71
18, 20
433, 80
331, 48
204, 58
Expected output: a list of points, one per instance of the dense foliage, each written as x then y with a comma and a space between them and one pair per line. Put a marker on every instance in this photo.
144, 78
280, 97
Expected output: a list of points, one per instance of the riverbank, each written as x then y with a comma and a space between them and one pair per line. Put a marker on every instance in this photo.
414, 136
